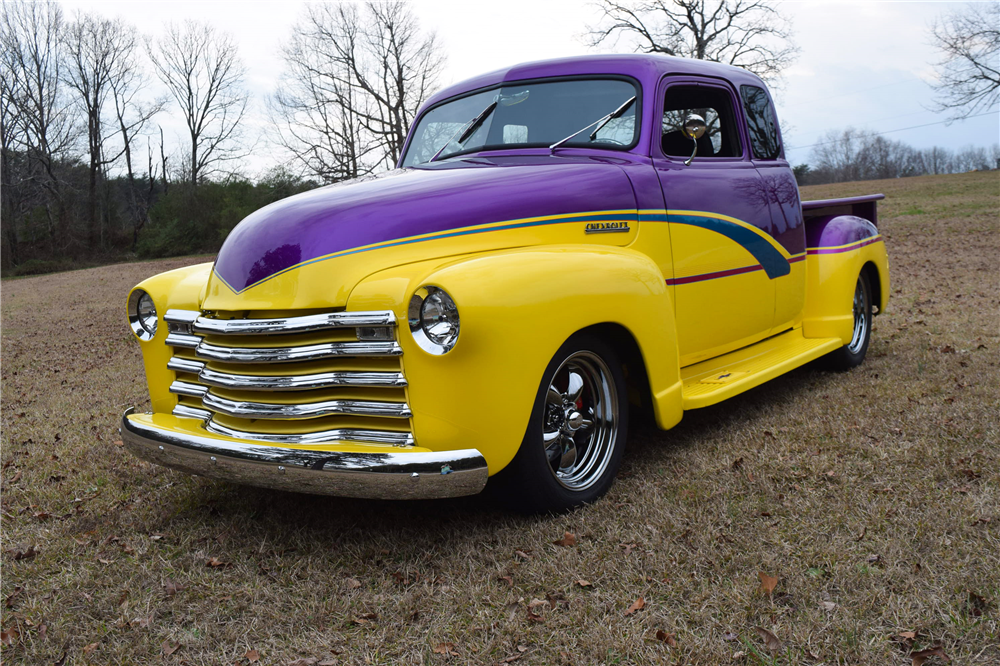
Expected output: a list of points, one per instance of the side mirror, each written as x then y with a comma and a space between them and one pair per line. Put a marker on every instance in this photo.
694, 129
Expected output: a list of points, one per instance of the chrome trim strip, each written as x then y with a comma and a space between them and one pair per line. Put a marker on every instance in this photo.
309, 410
187, 388
400, 439
174, 316
301, 353
183, 340
188, 412
178, 364
298, 382
403, 475
302, 324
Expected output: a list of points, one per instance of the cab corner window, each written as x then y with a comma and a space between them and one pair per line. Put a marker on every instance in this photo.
760, 119
721, 139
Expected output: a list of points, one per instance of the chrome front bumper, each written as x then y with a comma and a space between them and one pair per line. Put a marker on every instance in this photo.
416, 475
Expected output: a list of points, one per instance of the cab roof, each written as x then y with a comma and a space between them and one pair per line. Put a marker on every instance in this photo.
646, 68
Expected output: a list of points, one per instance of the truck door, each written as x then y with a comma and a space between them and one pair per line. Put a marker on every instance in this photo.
724, 258
783, 201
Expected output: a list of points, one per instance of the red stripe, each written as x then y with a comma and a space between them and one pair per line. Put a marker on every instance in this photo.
711, 276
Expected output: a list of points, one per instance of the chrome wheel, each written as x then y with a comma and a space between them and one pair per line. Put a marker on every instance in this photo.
861, 318
580, 422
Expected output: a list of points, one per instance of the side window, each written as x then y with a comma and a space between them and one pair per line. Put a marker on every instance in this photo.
762, 124
715, 105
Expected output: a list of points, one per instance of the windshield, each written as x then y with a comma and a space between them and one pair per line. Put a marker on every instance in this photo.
527, 116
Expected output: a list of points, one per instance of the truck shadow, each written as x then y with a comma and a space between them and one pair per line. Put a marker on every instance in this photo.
411, 529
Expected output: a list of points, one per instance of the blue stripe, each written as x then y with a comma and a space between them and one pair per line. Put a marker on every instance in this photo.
774, 263
630, 216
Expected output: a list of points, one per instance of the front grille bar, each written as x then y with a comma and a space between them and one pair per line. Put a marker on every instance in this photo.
308, 410
303, 324
316, 380
363, 436
300, 353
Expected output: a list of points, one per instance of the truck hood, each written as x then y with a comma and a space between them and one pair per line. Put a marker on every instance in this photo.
398, 206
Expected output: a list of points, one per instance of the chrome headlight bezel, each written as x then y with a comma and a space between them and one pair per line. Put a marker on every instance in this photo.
421, 323
142, 315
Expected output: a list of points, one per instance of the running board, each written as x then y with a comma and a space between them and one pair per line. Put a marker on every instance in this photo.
716, 379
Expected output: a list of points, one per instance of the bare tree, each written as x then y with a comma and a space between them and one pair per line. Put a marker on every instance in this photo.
356, 75
746, 33
969, 71
31, 60
102, 72
203, 71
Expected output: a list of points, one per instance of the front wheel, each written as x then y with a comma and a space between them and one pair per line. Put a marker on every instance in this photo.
853, 353
576, 434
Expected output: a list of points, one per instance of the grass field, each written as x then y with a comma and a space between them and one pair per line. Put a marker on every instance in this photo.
873, 497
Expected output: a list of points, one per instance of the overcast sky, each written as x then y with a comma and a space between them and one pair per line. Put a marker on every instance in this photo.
865, 64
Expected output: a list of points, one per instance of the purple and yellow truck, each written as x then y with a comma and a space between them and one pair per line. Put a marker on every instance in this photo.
561, 244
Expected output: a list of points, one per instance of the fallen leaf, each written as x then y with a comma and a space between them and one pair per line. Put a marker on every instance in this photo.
637, 605
584, 583
216, 563
772, 642
922, 656
252, 656
828, 605
9, 635
305, 661
42, 630
523, 555
977, 605
908, 635
327, 662
28, 554
353, 583
522, 648
569, 539
535, 617
628, 547
447, 649
864, 531
730, 636
739, 654
535, 603
767, 583
87, 649
367, 618
171, 587
508, 580
874, 559
167, 647
668, 638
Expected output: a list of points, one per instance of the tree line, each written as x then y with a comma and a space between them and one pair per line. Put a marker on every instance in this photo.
853, 154
87, 177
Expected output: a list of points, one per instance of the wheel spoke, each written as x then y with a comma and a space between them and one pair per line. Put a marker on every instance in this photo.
575, 387
568, 452
554, 397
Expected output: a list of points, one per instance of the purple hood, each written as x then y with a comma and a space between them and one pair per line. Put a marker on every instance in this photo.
411, 202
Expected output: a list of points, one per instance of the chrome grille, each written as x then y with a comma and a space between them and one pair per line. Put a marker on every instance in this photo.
308, 379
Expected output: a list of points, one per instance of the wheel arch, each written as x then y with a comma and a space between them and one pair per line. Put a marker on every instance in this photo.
623, 342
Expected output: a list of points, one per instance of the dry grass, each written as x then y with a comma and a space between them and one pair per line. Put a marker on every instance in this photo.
873, 497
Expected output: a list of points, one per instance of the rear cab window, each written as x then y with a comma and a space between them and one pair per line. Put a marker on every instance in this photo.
761, 122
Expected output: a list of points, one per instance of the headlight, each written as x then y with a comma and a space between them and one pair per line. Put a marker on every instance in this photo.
142, 314
433, 318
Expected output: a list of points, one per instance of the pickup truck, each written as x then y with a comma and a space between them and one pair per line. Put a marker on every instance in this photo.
562, 243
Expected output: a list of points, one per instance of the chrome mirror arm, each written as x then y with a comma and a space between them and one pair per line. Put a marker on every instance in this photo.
693, 153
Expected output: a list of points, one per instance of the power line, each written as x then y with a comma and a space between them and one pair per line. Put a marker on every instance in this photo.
901, 129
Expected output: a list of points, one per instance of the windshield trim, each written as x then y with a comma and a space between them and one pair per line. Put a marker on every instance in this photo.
519, 82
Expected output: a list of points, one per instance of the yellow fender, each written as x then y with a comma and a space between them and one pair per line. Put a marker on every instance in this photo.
517, 308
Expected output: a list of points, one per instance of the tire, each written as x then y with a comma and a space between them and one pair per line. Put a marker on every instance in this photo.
853, 353
572, 449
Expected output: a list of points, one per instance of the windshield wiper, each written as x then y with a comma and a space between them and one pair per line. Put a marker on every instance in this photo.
600, 122
467, 130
